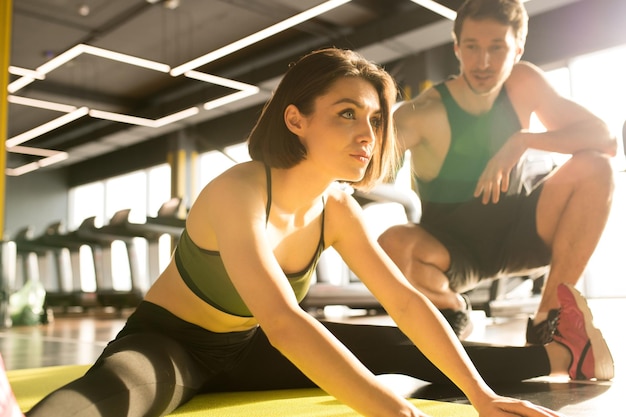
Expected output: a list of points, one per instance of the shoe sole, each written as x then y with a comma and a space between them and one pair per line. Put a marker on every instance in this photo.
467, 331
604, 365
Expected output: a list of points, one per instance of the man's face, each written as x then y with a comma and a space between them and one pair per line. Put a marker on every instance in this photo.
487, 51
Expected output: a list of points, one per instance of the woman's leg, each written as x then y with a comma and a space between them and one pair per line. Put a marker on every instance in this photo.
137, 375
383, 350
386, 350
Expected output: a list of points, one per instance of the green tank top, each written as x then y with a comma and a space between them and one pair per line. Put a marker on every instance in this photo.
474, 139
204, 273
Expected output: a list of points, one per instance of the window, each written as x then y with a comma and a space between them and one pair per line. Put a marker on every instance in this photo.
213, 163
598, 82
143, 192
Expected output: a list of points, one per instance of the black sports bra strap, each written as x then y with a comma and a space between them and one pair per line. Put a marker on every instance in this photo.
268, 176
323, 217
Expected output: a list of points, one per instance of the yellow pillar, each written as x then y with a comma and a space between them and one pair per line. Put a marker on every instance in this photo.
182, 158
5, 56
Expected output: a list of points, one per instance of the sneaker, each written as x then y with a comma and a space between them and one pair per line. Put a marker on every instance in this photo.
460, 319
8, 403
542, 332
591, 358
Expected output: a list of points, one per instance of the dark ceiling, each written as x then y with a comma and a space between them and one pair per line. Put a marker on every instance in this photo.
171, 33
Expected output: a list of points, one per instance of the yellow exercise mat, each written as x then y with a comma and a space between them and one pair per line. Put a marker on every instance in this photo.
30, 385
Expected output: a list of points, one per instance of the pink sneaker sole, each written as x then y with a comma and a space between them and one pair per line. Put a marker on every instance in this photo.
603, 360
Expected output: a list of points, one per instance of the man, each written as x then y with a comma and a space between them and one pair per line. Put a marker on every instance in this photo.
468, 137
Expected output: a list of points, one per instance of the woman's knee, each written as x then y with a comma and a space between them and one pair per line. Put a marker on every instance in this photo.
148, 373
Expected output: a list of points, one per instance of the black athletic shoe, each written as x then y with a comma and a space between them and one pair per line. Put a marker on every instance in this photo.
460, 319
543, 332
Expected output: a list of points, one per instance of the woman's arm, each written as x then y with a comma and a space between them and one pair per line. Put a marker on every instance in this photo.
414, 314
237, 219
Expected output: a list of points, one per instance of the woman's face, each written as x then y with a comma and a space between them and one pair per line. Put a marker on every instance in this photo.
340, 134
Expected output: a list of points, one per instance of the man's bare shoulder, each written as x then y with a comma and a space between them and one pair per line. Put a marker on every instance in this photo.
525, 75
417, 117
527, 86
422, 105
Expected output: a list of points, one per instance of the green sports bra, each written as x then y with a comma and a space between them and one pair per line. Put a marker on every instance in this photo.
204, 273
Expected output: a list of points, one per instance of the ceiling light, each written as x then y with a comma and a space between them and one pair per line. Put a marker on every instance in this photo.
23, 72
437, 8
141, 121
27, 150
214, 79
128, 59
258, 36
209, 105
175, 117
84, 10
122, 118
47, 127
50, 157
61, 59
74, 113
104, 53
246, 90
74, 52
19, 84
53, 159
48, 105
171, 4
16, 172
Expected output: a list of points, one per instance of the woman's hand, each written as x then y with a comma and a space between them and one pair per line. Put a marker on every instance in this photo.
511, 407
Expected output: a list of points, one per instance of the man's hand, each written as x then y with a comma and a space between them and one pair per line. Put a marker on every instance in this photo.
495, 177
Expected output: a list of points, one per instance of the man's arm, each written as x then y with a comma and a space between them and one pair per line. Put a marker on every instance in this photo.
422, 127
570, 127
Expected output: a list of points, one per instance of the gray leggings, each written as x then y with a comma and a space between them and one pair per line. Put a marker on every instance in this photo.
158, 362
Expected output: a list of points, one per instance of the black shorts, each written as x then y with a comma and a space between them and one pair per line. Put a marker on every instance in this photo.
488, 240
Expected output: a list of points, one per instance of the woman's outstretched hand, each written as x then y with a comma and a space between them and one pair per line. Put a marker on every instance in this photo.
511, 407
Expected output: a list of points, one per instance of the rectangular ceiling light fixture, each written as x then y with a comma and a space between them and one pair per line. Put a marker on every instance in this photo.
74, 52
437, 8
73, 113
258, 36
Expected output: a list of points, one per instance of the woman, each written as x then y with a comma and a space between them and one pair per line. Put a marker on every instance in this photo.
224, 314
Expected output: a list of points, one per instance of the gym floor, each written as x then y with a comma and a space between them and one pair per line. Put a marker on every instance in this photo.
78, 338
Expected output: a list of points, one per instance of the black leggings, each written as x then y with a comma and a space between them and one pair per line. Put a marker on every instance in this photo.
158, 362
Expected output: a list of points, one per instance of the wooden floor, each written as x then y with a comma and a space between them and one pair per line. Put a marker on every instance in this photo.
79, 339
